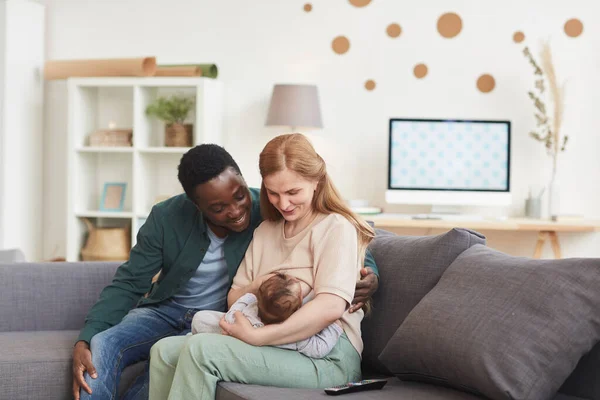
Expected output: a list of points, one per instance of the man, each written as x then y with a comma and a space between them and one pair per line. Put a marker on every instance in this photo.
197, 241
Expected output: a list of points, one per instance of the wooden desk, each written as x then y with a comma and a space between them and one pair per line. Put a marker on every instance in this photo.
546, 229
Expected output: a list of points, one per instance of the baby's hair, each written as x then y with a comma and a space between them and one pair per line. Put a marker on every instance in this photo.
276, 300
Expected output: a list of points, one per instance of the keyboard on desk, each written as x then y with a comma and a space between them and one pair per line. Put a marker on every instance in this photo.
449, 217
433, 216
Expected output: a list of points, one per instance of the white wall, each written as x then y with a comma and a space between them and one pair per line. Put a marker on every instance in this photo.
22, 26
259, 43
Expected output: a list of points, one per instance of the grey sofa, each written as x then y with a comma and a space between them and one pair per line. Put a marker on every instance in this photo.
43, 305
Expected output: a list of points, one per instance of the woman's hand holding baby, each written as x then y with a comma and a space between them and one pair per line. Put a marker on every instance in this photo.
241, 329
310, 319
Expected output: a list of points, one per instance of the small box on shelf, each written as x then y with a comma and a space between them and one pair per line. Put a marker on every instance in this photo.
111, 137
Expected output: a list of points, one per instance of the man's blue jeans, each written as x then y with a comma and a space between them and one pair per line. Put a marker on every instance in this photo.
129, 342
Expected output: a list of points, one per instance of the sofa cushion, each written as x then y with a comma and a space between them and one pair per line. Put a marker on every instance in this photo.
41, 362
393, 390
52, 296
501, 326
36, 363
409, 267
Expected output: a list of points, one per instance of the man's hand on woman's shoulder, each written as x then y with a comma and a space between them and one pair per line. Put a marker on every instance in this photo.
365, 288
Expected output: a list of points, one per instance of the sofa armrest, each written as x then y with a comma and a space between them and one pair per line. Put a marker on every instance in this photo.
50, 296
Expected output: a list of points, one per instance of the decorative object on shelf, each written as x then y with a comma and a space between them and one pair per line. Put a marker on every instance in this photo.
295, 106
64, 69
179, 135
173, 111
548, 126
106, 244
113, 196
205, 70
176, 70
112, 137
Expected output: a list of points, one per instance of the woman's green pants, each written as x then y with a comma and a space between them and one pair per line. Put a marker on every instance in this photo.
190, 367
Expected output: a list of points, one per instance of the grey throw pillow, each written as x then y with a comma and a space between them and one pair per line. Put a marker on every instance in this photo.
501, 326
409, 267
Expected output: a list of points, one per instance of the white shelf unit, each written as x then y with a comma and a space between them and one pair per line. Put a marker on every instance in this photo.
148, 167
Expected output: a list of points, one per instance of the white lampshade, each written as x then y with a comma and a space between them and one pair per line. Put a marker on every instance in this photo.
295, 106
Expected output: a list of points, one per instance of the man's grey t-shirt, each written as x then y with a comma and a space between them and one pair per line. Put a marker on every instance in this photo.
208, 288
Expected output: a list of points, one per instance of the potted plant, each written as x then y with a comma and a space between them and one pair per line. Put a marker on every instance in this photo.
549, 122
173, 111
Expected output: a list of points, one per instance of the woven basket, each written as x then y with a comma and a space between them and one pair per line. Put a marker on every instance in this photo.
106, 244
178, 135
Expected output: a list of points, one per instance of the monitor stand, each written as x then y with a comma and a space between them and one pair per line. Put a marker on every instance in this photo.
446, 210
452, 213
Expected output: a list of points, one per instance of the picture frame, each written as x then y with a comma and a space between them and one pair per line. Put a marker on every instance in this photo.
113, 196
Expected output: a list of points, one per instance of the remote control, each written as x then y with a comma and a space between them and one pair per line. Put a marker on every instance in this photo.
352, 387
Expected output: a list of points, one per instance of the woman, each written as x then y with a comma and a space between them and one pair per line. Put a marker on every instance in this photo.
313, 236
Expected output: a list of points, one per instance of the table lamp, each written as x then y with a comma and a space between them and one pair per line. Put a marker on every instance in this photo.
295, 106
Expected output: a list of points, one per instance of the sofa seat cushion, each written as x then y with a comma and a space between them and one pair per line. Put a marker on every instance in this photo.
394, 390
32, 363
40, 362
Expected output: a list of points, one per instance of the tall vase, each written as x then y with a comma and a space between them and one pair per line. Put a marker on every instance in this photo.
553, 194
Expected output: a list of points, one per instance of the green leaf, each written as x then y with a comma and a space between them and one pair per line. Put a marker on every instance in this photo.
564, 143
541, 119
536, 136
171, 110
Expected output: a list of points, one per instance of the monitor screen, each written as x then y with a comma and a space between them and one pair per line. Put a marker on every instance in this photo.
451, 155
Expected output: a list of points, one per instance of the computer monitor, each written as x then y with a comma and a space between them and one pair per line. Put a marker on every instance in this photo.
449, 162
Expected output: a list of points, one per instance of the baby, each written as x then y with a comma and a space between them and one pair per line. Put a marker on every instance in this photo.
277, 299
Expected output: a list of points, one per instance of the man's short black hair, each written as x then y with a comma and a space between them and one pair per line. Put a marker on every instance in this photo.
201, 164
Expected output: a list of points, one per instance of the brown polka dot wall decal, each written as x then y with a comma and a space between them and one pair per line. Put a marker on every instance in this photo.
573, 27
449, 25
486, 83
308, 7
393, 30
340, 44
359, 3
518, 37
370, 84
420, 71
